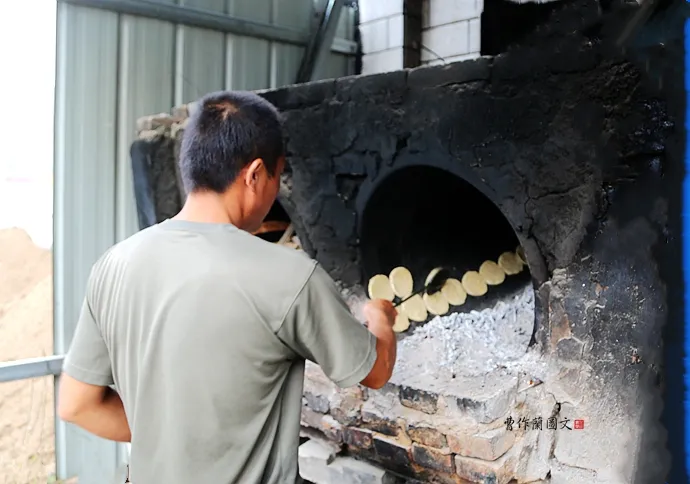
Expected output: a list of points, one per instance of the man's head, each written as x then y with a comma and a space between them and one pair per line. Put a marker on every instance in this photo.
233, 147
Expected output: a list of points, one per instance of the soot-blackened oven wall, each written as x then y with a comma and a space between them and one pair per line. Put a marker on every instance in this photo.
565, 144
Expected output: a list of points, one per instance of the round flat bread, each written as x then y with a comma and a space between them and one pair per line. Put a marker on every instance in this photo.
431, 275
474, 284
415, 309
454, 293
401, 322
509, 262
492, 274
380, 288
401, 282
436, 303
520, 253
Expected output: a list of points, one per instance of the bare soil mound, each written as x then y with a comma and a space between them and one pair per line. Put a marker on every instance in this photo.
26, 320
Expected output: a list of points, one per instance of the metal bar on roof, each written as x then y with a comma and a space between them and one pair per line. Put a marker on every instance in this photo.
197, 18
321, 42
30, 368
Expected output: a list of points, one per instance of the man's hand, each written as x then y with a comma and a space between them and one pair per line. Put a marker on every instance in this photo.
380, 315
380, 309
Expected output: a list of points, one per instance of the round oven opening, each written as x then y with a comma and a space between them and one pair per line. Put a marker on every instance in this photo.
421, 217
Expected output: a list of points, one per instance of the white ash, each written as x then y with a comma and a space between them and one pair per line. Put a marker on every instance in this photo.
471, 343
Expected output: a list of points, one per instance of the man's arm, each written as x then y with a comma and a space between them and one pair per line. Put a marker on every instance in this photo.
320, 327
85, 398
380, 315
94, 408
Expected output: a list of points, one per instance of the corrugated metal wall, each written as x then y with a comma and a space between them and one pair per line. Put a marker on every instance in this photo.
112, 69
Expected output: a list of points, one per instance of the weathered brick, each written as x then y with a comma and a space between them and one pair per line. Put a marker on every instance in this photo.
310, 418
331, 429
427, 436
440, 460
393, 455
489, 404
346, 406
358, 437
317, 402
488, 445
374, 420
421, 400
480, 471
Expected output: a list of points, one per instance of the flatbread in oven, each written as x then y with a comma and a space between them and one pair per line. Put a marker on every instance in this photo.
520, 252
454, 293
436, 303
492, 273
401, 282
380, 288
414, 308
401, 322
474, 284
510, 263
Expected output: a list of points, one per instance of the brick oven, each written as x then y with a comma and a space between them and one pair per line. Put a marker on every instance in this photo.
566, 146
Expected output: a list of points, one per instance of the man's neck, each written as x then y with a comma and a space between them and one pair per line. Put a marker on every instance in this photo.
209, 207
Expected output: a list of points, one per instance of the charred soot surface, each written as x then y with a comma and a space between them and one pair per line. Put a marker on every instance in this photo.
422, 217
580, 146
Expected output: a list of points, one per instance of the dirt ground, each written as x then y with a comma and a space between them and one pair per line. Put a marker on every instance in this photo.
26, 407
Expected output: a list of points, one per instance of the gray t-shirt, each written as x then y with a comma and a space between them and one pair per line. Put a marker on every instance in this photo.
204, 330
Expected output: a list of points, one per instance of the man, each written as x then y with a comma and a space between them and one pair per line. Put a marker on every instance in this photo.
203, 329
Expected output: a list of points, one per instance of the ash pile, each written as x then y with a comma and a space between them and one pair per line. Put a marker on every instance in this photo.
470, 343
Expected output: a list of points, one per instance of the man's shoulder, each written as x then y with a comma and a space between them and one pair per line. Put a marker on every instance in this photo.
284, 263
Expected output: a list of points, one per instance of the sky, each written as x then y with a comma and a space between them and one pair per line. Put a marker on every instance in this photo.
27, 85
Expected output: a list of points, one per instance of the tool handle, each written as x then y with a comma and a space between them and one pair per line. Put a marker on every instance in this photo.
410, 296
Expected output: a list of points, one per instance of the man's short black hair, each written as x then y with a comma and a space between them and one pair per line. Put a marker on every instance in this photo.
226, 131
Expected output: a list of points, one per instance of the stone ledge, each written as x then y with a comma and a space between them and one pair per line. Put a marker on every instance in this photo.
487, 446
318, 464
476, 470
455, 73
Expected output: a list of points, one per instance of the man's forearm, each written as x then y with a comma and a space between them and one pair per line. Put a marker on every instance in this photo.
386, 341
106, 419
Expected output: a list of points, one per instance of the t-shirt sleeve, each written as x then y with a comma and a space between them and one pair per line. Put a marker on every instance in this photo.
88, 359
320, 327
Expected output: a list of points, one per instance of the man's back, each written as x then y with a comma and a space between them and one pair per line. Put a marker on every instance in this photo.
207, 328
203, 329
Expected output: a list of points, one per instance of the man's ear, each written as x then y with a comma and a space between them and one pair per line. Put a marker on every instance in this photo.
251, 176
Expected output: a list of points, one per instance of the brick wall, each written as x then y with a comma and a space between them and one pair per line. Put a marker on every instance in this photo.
451, 30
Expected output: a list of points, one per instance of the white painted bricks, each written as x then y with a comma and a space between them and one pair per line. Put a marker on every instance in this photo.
382, 29
442, 12
451, 30
384, 61
374, 36
377, 9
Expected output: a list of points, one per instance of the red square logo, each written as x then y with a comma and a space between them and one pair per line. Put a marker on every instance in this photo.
579, 424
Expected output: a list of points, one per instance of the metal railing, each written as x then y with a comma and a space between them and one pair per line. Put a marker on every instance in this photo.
31, 368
